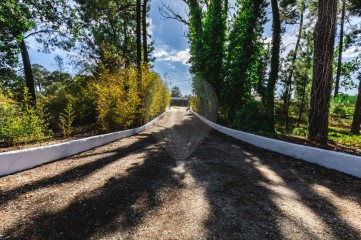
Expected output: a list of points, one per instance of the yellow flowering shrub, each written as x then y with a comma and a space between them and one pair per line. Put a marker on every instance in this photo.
123, 100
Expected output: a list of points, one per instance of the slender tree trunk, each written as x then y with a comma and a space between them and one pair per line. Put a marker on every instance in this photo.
302, 101
139, 37
325, 31
340, 50
145, 34
355, 128
275, 62
126, 40
290, 75
304, 82
30, 84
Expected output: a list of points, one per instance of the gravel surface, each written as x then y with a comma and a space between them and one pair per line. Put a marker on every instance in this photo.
133, 189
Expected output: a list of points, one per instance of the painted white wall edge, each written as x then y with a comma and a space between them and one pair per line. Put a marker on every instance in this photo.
342, 162
15, 161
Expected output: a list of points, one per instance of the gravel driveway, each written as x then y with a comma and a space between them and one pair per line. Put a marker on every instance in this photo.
133, 189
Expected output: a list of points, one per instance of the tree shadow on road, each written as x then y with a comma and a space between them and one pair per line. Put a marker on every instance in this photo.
73, 174
246, 187
119, 205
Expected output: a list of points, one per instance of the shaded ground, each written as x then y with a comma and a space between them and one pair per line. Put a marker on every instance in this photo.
133, 189
179, 132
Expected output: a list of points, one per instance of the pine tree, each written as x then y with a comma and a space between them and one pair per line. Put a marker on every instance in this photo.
325, 31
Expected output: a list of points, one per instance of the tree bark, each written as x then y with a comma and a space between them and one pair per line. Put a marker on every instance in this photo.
340, 50
325, 31
275, 62
30, 84
139, 37
145, 34
355, 127
294, 57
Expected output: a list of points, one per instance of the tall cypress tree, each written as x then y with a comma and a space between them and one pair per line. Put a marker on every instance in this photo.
214, 35
195, 34
244, 49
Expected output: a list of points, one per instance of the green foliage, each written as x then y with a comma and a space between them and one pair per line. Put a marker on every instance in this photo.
195, 34
300, 132
46, 19
244, 51
343, 136
21, 123
77, 92
14, 21
342, 106
107, 26
355, 7
348, 68
251, 117
66, 120
175, 92
213, 47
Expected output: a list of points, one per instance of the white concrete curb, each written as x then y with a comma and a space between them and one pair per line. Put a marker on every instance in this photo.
15, 161
342, 162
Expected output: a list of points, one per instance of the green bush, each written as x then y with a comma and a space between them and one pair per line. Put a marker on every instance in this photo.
77, 93
66, 120
299, 131
342, 106
251, 118
21, 123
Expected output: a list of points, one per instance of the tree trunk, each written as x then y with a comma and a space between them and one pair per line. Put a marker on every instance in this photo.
302, 104
139, 37
126, 40
30, 84
294, 57
275, 62
305, 80
325, 31
145, 34
340, 50
355, 128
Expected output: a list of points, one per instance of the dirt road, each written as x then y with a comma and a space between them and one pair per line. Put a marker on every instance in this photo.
133, 189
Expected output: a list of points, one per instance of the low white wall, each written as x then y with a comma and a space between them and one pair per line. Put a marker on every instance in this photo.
15, 161
342, 162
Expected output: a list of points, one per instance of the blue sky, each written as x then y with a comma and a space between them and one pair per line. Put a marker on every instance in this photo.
171, 47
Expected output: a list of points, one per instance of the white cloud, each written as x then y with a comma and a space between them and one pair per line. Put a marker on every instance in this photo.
151, 26
351, 53
181, 56
165, 52
160, 54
